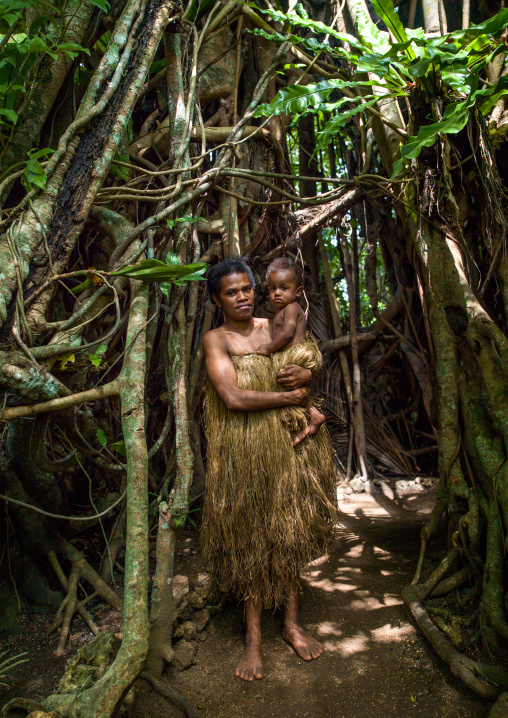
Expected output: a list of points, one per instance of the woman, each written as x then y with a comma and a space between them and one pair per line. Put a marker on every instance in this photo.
269, 508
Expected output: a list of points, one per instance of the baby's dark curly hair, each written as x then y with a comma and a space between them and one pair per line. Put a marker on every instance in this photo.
286, 263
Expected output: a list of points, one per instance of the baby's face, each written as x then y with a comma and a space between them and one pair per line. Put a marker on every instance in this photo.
283, 287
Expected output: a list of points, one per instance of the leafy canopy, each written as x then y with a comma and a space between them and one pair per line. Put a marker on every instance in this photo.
391, 64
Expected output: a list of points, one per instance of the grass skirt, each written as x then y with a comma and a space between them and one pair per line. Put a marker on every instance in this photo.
269, 508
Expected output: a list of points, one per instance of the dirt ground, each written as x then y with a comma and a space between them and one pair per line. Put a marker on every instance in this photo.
375, 664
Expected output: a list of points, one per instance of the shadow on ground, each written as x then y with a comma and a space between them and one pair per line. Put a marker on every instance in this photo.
375, 665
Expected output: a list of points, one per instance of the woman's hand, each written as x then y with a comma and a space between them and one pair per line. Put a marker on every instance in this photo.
293, 376
300, 396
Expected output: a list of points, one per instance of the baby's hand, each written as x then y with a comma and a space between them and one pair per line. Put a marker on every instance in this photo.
263, 350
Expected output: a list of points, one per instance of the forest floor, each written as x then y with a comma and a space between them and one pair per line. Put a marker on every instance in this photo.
375, 664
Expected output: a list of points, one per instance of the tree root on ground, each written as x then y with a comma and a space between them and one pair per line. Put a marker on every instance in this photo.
168, 692
70, 605
470, 672
17, 707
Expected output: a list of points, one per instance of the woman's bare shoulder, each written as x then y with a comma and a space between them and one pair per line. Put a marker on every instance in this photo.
214, 339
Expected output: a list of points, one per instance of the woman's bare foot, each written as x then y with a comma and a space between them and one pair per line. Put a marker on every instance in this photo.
305, 646
317, 419
251, 665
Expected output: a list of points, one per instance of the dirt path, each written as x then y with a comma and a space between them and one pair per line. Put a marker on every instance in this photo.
376, 665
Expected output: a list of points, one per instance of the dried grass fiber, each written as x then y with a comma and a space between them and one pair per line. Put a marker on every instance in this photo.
269, 508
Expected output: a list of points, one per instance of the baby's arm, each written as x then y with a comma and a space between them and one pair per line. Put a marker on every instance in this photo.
284, 334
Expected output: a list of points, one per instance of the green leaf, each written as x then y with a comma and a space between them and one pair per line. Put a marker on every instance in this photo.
153, 270
194, 277
398, 166
317, 26
34, 173
95, 359
101, 4
493, 26
298, 98
101, 349
72, 49
101, 437
369, 33
84, 285
386, 11
498, 91
455, 118
10, 114
119, 447
335, 123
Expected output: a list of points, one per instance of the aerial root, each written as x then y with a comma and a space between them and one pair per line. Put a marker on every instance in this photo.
70, 604
18, 706
170, 693
473, 674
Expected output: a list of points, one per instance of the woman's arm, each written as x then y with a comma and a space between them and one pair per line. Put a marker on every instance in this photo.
223, 376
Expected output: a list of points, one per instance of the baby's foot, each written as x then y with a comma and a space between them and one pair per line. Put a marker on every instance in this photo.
317, 419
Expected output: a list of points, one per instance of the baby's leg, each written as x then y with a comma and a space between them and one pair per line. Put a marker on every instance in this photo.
316, 420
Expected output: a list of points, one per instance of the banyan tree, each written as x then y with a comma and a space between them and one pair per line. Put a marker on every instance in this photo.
141, 141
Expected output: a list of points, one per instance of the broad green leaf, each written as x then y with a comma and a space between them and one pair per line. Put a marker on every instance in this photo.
101, 4
84, 285
386, 11
498, 91
369, 33
101, 437
454, 119
493, 26
66, 358
10, 114
318, 27
72, 49
298, 98
101, 349
335, 123
95, 359
34, 174
153, 270
119, 447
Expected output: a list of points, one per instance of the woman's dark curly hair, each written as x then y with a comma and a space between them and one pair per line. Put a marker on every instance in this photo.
224, 269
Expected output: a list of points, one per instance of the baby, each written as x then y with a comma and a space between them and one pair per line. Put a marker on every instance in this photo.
285, 285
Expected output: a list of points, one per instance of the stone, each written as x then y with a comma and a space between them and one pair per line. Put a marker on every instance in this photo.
427, 481
500, 707
357, 485
184, 655
211, 630
201, 636
188, 630
196, 600
201, 619
180, 588
182, 608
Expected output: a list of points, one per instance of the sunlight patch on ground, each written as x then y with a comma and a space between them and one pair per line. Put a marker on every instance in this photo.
389, 633
367, 602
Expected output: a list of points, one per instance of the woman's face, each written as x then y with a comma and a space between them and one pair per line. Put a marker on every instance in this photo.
236, 297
